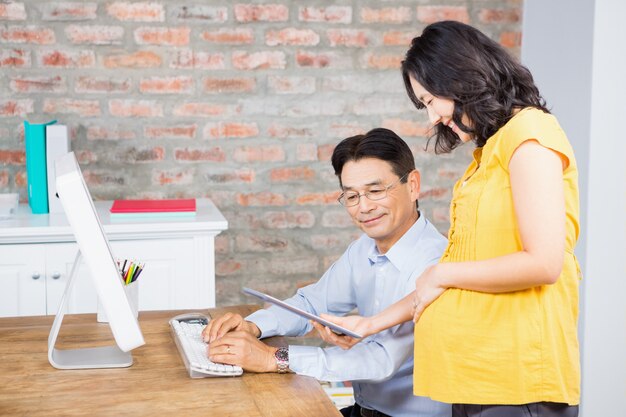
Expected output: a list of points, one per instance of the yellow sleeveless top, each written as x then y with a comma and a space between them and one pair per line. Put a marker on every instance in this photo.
509, 348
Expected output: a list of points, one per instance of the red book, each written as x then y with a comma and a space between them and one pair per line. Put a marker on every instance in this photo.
187, 205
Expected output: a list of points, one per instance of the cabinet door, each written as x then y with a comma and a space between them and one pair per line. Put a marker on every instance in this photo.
167, 281
22, 280
60, 259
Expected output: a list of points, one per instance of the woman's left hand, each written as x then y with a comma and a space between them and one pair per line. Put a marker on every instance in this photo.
428, 288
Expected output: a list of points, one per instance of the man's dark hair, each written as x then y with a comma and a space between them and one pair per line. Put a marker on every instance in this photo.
378, 143
455, 61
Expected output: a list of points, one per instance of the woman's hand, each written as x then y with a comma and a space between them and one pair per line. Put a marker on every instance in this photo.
428, 288
357, 324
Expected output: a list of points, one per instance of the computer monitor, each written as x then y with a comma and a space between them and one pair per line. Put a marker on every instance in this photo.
94, 248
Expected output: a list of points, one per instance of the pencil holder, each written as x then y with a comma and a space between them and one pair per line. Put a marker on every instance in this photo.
132, 294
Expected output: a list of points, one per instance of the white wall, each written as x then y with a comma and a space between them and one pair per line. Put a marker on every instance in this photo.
576, 51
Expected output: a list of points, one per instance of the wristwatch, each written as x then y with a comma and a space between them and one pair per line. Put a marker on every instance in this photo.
282, 359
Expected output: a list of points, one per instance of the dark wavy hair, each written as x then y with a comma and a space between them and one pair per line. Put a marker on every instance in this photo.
379, 143
455, 61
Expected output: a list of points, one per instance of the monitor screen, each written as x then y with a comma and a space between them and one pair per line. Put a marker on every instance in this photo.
96, 252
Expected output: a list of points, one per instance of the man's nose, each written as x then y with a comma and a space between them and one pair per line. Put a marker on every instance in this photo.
365, 204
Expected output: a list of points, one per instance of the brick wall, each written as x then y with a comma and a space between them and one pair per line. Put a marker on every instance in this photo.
239, 102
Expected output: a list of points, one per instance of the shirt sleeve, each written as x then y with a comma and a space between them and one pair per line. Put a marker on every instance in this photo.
536, 125
375, 359
332, 294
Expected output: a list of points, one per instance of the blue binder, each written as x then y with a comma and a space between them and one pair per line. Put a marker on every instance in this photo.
35, 138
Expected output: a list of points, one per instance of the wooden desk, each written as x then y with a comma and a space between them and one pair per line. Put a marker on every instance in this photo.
157, 383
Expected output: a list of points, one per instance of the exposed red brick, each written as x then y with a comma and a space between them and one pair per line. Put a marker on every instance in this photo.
68, 11
306, 152
407, 127
386, 15
177, 132
93, 178
499, 15
336, 219
231, 130
215, 154
344, 130
66, 59
291, 85
4, 178
24, 84
96, 35
205, 109
330, 14
20, 179
162, 36
237, 36
136, 12
209, 14
347, 37
135, 108
166, 85
229, 267
288, 220
318, 198
323, 60
179, 177
189, 59
292, 36
10, 108
262, 199
431, 14
263, 153
433, 193
18, 58
398, 38
288, 131
12, 157
85, 157
258, 60
222, 244
139, 59
256, 243
229, 85
261, 12
324, 152
242, 175
108, 133
27, 34
86, 84
511, 39
141, 155
83, 108
292, 174
383, 61
12, 11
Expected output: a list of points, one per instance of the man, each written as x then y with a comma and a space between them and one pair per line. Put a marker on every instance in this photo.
380, 187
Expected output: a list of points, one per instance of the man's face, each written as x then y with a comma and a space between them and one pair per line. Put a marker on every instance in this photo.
387, 219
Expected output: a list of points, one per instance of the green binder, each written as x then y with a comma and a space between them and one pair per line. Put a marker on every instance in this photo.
35, 138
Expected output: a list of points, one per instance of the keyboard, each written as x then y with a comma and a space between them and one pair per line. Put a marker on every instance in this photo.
187, 333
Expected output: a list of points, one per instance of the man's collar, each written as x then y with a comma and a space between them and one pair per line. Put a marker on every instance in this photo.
402, 250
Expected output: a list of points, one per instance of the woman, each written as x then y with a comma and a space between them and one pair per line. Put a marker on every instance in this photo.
496, 319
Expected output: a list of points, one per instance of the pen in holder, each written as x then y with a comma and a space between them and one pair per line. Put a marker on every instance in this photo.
129, 275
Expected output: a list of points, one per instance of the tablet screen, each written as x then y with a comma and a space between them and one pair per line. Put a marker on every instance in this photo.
334, 327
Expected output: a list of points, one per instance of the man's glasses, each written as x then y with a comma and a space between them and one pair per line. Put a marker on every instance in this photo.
352, 198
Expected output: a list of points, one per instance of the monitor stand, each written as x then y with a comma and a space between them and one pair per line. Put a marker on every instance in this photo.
84, 358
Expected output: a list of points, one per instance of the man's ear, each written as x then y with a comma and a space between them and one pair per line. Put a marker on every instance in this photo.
414, 180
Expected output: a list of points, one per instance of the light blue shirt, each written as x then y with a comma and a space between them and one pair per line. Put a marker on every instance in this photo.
381, 366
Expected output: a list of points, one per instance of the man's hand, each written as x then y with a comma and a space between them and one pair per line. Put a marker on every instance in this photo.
358, 324
243, 349
228, 322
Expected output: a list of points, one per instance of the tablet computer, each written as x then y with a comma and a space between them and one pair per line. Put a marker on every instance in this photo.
334, 327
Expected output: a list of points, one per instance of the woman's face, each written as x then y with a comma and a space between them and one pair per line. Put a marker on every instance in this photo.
439, 110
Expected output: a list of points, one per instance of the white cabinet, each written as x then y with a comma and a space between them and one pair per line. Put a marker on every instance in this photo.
37, 253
